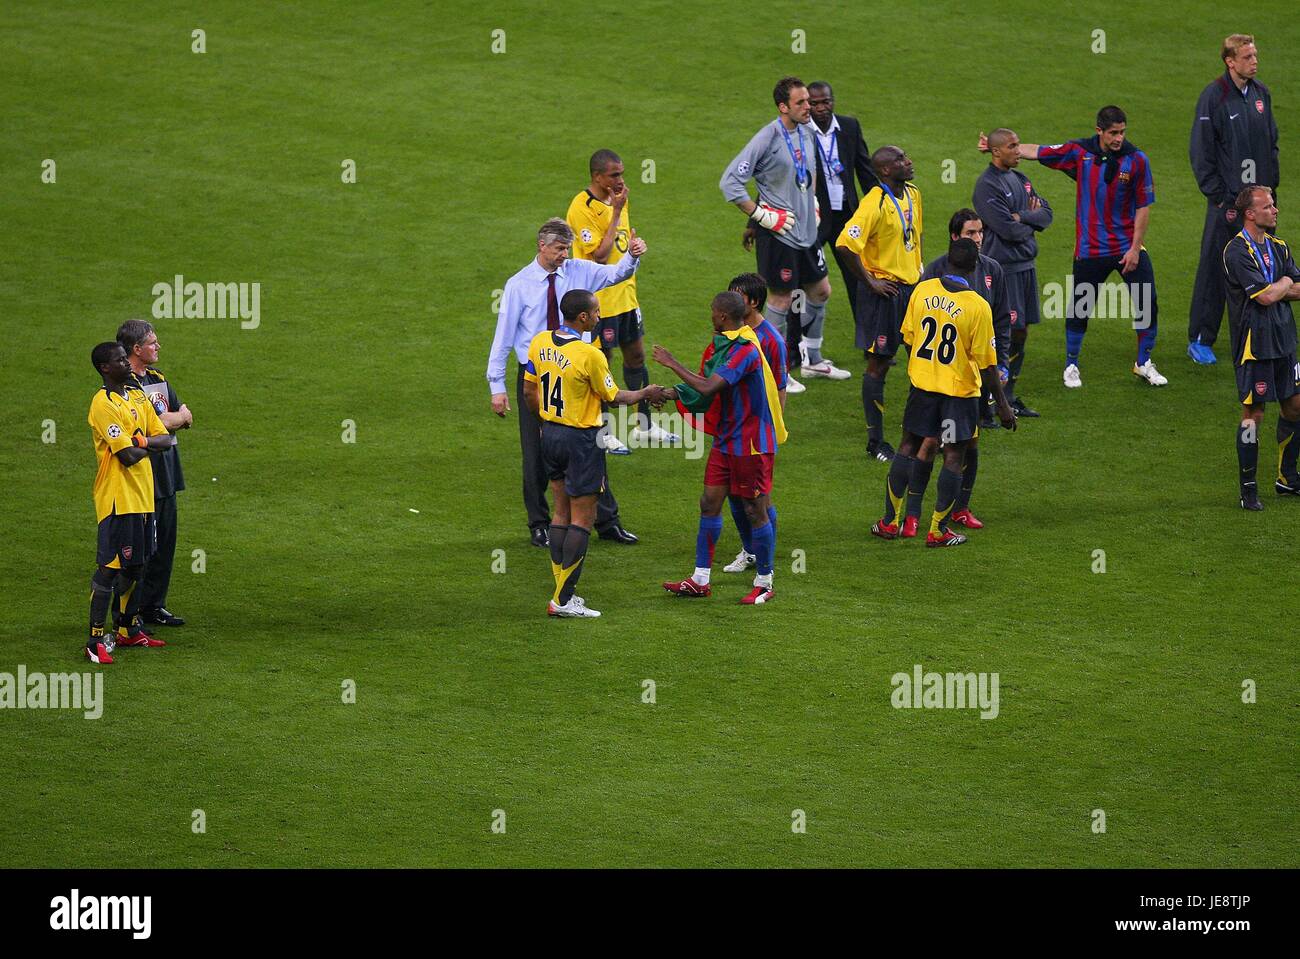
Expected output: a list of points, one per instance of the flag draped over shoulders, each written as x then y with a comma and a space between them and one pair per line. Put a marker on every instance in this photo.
701, 412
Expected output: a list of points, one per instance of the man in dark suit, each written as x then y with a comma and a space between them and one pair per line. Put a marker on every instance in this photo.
841, 152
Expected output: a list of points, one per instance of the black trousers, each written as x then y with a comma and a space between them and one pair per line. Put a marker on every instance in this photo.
1208, 294
831, 230
157, 575
535, 481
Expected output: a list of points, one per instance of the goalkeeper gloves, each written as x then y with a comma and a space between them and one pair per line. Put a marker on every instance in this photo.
773, 218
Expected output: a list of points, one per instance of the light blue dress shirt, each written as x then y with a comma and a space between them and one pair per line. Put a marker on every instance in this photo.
523, 306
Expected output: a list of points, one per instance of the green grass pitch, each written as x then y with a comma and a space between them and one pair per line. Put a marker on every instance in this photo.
1120, 691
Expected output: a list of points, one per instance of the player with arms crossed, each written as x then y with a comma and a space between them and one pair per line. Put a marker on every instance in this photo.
1261, 278
1113, 200
749, 428
565, 382
949, 328
125, 428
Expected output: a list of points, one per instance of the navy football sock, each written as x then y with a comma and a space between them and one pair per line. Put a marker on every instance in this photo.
1287, 449
969, 468
900, 472
873, 405
917, 484
1247, 455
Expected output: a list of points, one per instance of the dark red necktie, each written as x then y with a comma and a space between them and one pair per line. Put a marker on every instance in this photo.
552, 304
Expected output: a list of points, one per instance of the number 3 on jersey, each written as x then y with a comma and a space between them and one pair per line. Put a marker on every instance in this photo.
552, 398
947, 340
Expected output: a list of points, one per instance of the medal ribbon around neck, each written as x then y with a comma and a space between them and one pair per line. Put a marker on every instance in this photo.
801, 175
906, 222
1268, 266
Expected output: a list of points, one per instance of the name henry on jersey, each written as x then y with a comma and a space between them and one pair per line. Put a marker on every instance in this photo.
551, 354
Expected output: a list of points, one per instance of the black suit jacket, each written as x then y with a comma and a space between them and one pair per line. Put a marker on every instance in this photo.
856, 158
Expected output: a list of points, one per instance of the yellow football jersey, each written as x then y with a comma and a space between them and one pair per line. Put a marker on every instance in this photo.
876, 234
951, 339
589, 219
114, 419
572, 378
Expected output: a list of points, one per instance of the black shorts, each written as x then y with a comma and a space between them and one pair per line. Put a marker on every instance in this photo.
879, 319
126, 540
951, 419
620, 329
573, 455
786, 267
1022, 298
1267, 381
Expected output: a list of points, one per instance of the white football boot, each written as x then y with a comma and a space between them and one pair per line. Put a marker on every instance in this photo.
825, 369
655, 435
613, 444
575, 608
1147, 371
1071, 377
742, 562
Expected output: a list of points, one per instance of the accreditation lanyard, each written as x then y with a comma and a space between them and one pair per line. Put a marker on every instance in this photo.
906, 222
800, 158
1267, 263
832, 159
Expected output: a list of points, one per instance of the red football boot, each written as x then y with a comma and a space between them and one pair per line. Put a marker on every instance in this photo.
909, 527
884, 530
99, 655
689, 588
758, 595
140, 639
964, 517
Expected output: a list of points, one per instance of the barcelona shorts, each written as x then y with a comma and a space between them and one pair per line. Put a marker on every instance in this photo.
745, 476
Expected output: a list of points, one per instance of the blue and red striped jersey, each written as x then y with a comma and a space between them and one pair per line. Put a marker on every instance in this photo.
774, 350
1109, 192
739, 419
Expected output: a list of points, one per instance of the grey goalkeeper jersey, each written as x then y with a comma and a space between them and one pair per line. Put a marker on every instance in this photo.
767, 161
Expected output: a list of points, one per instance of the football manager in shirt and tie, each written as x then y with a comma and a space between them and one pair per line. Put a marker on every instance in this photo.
530, 304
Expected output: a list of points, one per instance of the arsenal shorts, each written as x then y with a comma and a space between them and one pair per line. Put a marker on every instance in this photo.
128, 539
786, 267
1022, 298
744, 476
620, 329
879, 319
1268, 381
573, 455
950, 419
